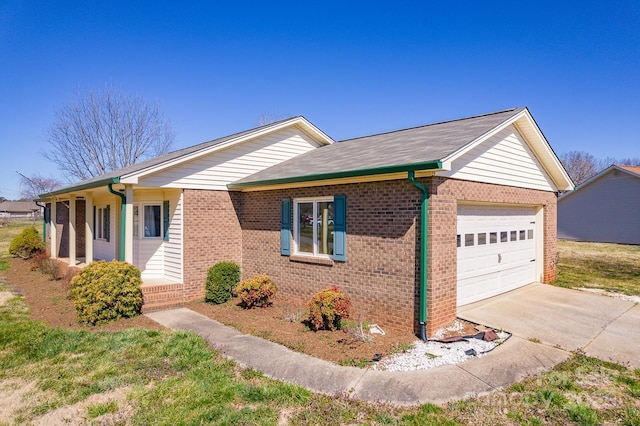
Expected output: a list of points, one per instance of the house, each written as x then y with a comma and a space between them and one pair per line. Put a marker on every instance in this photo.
605, 208
411, 223
19, 209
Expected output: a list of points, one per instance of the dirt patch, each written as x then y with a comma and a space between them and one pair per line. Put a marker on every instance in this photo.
48, 301
5, 296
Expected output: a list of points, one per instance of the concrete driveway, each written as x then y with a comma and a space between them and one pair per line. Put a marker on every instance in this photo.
604, 327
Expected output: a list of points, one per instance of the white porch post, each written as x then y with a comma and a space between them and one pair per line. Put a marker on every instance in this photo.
128, 227
88, 228
72, 230
53, 231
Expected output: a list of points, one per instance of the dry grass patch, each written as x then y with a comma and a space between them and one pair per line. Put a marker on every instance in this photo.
609, 267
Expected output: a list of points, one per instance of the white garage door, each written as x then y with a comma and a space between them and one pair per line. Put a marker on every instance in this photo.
496, 250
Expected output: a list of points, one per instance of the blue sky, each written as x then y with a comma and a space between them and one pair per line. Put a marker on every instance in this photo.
352, 68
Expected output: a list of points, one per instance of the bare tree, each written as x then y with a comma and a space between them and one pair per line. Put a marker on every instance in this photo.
102, 131
32, 187
269, 117
580, 165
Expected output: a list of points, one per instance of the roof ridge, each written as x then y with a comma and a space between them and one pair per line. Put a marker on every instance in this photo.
434, 124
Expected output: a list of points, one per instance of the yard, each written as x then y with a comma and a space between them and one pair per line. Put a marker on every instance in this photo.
61, 373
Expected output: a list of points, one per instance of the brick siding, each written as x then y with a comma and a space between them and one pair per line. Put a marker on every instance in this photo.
382, 272
212, 233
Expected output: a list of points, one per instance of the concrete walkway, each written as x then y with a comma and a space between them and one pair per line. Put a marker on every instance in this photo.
510, 362
561, 319
604, 327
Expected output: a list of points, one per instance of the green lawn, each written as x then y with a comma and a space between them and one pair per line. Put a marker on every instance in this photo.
168, 377
610, 267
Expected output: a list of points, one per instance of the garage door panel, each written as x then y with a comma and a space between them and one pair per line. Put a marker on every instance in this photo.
496, 250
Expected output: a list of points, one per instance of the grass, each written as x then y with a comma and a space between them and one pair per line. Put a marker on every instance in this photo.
7, 233
609, 267
169, 377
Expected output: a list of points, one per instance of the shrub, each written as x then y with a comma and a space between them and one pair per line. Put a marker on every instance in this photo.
106, 291
26, 244
256, 291
221, 279
327, 308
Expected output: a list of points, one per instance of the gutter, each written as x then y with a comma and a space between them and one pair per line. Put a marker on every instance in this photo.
123, 219
428, 165
81, 187
424, 215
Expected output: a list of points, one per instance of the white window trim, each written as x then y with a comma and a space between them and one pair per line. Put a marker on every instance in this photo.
101, 235
296, 223
141, 207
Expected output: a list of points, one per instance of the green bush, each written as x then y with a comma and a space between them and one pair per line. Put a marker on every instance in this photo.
327, 308
256, 291
26, 244
106, 291
221, 279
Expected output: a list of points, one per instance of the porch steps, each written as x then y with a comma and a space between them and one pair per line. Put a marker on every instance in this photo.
157, 297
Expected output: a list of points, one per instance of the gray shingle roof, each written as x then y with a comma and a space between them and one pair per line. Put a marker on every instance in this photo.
423, 144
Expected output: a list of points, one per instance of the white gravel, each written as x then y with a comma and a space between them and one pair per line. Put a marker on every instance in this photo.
432, 354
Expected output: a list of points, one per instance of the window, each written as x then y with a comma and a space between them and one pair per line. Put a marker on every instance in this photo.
314, 226
136, 222
522, 235
514, 236
493, 237
458, 240
530, 234
152, 221
503, 236
102, 223
482, 238
468, 240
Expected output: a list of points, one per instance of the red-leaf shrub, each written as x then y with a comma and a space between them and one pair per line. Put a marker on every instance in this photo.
327, 308
256, 291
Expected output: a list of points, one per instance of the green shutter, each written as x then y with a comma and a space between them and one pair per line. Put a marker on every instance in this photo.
165, 217
340, 228
285, 227
95, 231
107, 223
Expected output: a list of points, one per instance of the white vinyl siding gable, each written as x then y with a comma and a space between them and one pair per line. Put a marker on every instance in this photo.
214, 171
503, 159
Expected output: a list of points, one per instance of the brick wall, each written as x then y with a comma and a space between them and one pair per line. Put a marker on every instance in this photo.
212, 233
381, 274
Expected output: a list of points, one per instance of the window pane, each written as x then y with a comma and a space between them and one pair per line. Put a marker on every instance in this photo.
514, 236
99, 230
458, 240
324, 228
136, 222
482, 238
530, 234
522, 236
493, 237
305, 228
151, 221
503, 236
468, 240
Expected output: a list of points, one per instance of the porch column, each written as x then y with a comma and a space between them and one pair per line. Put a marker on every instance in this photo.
128, 227
53, 230
88, 228
72, 230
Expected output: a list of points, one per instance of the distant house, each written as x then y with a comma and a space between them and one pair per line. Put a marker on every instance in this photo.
606, 208
17, 209
411, 223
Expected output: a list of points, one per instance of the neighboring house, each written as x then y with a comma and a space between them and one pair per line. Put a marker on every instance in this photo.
606, 208
411, 223
16, 209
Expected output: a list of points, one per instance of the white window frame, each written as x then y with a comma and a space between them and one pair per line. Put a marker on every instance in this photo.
296, 224
139, 233
101, 223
